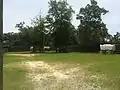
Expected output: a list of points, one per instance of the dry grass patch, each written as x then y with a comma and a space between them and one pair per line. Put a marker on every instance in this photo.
23, 55
59, 76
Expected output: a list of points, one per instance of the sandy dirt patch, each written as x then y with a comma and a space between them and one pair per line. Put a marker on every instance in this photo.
54, 77
23, 55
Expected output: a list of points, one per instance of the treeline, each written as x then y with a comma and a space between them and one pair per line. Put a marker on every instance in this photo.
56, 30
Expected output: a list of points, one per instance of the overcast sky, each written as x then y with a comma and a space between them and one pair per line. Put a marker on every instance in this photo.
16, 11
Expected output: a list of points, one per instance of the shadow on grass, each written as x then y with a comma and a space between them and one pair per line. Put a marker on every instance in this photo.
54, 52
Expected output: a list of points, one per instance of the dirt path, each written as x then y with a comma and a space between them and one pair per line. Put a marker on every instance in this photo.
58, 76
23, 55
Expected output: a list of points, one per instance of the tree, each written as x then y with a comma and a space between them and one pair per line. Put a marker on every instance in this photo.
108, 39
92, 30
59, 18
116, 38
10, 38
34, 35
26, 33
14, 42
40, 32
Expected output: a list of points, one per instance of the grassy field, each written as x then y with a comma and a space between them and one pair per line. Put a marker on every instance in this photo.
70, 71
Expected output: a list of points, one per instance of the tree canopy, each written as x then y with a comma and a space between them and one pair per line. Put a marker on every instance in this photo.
92, 29
56, 30
59, 17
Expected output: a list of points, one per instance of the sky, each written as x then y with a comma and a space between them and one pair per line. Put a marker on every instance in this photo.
15, 11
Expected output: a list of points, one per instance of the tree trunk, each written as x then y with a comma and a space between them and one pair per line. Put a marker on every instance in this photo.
34, 49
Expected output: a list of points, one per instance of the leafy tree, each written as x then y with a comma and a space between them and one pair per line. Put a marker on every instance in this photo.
34, 35
59, 18
11, 37
40, 32
92, 30
12, 41
108, 39
8, 38
26, 33
116, 38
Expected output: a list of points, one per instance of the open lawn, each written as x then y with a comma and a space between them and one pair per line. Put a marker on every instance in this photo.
64, 71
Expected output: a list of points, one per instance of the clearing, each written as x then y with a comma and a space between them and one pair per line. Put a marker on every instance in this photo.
72, 71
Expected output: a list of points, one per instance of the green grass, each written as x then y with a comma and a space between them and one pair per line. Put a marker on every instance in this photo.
108, 65
14, 76
11, 59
